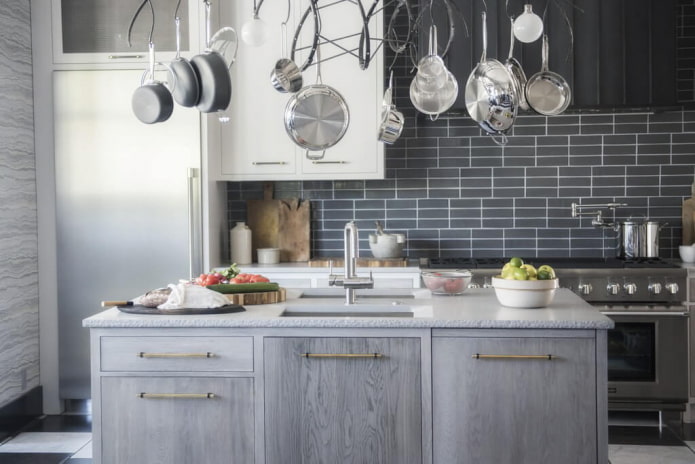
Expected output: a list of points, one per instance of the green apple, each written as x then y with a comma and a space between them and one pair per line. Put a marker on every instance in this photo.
520, 274
546, 271
516, 262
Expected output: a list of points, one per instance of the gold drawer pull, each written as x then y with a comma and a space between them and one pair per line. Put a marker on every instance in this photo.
204, 396
142, 354
329, 162
341, 355
549, 357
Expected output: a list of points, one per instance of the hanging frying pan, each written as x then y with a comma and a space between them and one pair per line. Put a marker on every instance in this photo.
517, 73
187, 91
213, 74
316, 117
548, 93
490, 98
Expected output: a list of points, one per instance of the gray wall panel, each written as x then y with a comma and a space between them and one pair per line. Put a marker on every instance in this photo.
19, 325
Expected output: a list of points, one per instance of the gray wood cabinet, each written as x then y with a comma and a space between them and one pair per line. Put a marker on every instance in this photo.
173, 397
509, 406
177, 420
338, 408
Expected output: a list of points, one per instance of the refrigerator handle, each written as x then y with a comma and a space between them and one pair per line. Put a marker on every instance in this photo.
195, 266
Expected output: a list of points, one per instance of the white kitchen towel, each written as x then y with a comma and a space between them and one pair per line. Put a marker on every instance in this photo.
187, 295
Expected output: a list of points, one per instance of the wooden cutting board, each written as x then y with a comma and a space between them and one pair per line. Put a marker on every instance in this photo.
283, 224
257, 298
361, 262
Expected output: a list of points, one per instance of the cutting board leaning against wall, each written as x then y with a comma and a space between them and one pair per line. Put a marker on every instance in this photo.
283, 224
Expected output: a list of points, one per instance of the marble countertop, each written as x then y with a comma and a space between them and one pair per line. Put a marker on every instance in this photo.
475, 308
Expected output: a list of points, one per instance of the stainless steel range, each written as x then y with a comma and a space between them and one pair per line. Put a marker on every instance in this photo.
648, 348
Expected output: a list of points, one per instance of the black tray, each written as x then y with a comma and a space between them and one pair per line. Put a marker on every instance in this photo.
139, 309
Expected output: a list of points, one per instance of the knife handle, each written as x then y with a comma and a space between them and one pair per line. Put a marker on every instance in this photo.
108, 304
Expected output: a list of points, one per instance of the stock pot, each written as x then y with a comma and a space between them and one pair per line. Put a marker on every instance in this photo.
639, 238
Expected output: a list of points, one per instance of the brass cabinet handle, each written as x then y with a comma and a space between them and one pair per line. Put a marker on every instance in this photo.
549, 357
204, 396
329, 162
142, 354
268, 163
341, 355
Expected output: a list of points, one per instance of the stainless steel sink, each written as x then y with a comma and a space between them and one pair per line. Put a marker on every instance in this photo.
341, 310
390, 293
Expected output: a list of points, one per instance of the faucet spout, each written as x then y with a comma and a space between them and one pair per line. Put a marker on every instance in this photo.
352, 249
350, 280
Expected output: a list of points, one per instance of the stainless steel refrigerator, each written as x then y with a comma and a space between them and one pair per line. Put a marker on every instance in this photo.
127, 205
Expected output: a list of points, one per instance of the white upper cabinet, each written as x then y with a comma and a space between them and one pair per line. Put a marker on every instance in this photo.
254, 145
96, 31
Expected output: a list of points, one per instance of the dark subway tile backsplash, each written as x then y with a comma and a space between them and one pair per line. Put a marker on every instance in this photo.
454, 192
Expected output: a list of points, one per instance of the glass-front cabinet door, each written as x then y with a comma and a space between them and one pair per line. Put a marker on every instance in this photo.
96, 31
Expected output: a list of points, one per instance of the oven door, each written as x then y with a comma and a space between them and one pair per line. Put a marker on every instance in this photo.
648, 359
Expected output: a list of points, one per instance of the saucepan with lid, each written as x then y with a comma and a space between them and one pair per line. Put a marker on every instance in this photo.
316, 117
639, 238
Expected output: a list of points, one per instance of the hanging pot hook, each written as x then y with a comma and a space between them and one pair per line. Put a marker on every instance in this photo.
135, 16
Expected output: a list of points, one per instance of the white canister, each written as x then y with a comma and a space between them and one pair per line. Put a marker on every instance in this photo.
240, 243
268, 255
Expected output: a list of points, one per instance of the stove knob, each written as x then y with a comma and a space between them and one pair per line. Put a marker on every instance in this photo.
630, 288
585, 289
655, 288
672, 288
613, 289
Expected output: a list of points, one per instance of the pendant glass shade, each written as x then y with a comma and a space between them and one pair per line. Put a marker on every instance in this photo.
528, 27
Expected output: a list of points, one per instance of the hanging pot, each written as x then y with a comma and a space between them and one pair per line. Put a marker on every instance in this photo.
316, 117
548, 93
286, 75
490, 97
392, 120
187, 91
517, 73
213, 74
152, 101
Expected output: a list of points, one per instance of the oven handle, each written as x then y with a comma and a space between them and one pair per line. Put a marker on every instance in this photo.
646, 313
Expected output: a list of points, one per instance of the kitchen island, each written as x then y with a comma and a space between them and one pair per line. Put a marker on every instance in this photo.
461, 380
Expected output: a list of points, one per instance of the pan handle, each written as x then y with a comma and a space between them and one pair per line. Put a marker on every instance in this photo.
315, 157
502, 141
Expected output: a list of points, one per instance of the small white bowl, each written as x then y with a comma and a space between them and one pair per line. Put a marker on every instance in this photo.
525, 293
268, 255
687, 253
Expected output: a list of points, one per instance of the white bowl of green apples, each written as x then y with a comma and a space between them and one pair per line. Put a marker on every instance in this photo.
522, 285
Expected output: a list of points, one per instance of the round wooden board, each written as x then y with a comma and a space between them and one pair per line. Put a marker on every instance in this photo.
257, 298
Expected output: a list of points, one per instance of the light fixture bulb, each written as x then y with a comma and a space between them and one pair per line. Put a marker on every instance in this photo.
254, 32
528, 27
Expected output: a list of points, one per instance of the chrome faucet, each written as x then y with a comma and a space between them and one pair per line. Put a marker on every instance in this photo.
351, 281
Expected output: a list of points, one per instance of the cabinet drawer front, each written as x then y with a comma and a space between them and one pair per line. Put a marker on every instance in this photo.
197, 354
536, 392
177, 421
